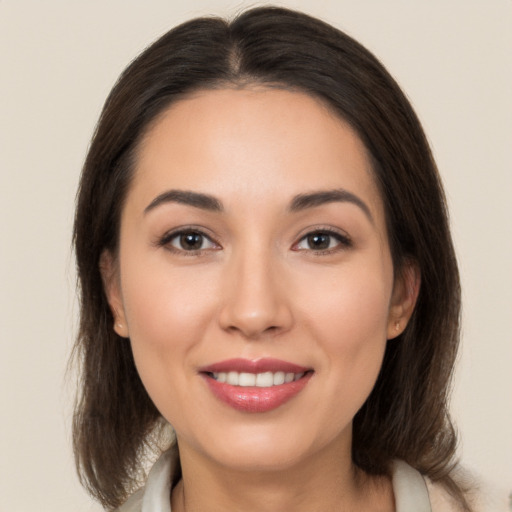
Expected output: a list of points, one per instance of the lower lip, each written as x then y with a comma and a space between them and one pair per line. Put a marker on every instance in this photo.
256, 399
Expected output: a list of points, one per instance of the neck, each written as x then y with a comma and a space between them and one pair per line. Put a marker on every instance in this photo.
327, 481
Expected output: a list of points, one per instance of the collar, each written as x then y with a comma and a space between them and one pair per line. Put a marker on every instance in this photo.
409, 486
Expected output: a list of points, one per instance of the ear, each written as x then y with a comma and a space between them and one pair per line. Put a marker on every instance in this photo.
405, 293
112, 287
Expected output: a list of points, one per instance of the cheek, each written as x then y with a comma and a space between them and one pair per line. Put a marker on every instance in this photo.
348, 317
167, 314
164, 305
351, 305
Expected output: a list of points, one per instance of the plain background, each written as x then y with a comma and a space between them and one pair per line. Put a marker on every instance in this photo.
59, 60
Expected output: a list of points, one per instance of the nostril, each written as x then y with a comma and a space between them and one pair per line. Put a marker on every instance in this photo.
254, 332
253, 309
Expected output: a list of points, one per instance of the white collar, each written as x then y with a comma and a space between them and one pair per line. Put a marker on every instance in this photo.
409, 488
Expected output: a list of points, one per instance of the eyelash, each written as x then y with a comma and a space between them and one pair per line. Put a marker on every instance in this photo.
343, 241
166, 241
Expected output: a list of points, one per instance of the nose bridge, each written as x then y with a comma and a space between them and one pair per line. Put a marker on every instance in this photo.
254, 302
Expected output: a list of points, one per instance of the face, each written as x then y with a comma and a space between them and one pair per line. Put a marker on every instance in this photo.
254, 277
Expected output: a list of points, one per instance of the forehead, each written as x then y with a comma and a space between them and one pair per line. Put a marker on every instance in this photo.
255, 142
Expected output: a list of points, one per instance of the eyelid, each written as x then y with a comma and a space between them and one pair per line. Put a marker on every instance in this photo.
166, 239
345, 241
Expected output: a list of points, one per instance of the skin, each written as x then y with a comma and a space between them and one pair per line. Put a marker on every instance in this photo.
257, 288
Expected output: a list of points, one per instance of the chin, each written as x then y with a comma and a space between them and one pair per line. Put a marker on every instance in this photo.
269, 449
260, 458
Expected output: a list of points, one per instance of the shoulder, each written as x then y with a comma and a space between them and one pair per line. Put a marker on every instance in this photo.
440, 498
414, 491
133, 503
155, 495
481, 495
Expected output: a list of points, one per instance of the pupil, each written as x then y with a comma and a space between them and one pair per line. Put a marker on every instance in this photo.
319, 241
191, 241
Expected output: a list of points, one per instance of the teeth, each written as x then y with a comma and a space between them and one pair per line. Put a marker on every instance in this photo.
261, 380
232, 378
246, 379
264, 380
278, 378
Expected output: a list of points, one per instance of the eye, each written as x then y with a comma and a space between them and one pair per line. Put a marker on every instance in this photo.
322, 241
191, 241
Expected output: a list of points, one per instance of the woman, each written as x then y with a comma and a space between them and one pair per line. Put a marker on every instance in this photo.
265, 264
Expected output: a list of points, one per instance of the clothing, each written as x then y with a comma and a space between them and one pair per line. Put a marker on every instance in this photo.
413, 492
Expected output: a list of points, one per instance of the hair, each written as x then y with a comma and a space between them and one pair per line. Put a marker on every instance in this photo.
406, 415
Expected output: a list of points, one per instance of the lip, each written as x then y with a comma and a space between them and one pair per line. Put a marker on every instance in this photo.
262, 365
255, 399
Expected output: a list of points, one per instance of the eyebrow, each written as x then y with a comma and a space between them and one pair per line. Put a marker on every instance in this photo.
195, 199
299, 203
321, 197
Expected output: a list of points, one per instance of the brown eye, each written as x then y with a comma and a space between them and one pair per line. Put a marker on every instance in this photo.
190, 241
318, 241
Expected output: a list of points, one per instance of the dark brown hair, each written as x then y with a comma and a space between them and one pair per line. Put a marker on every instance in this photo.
406, 415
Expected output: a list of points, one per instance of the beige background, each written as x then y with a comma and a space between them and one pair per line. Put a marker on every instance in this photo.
58, 61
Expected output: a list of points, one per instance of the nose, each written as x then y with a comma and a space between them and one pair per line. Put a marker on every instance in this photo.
254, 300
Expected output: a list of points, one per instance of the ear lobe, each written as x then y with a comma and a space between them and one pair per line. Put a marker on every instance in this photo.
112, 288
405, 294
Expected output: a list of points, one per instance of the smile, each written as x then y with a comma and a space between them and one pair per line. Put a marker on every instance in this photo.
260, 380
255, 386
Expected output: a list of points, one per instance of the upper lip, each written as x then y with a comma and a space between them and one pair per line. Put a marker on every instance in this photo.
253, 366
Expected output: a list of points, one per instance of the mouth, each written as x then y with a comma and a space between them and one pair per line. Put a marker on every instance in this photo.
260, 380
255, 386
